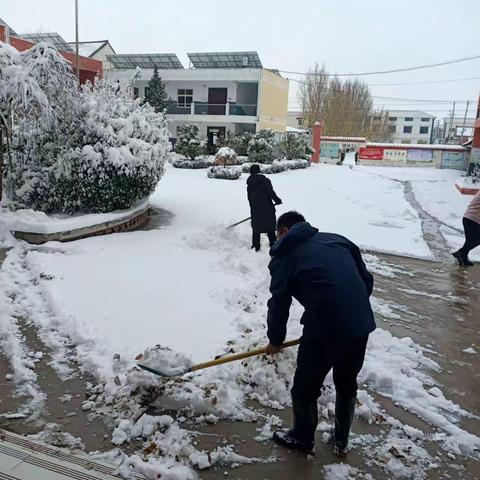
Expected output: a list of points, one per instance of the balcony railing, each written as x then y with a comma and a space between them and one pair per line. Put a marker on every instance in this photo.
201, 108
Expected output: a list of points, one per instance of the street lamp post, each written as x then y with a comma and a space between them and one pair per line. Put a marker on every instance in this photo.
77, 56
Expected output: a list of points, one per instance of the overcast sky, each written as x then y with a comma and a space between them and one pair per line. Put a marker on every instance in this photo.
346, 35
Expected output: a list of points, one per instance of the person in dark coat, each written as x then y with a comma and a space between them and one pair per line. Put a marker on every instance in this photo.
325, 272
262, 199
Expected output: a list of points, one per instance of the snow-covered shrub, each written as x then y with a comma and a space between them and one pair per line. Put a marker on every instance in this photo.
238, 143
189, 144
278, 166
225, 156
225, 173
125, 145
202, 162
297, 164
294, 146
93, 150
261, 148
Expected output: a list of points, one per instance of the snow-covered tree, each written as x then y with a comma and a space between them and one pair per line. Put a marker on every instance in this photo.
261, 148
294, 147
155, 92
94, 150
189, 144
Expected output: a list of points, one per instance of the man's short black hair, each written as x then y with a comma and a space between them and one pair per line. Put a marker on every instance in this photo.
288, 219
254, 169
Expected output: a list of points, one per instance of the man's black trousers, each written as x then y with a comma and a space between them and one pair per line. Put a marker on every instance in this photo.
315, 359
472, 236
256, 239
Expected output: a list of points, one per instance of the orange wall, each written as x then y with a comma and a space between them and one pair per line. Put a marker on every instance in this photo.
89, 68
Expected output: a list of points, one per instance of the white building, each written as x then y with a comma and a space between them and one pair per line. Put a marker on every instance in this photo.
410, 126
295, 118
223, 91
457, 129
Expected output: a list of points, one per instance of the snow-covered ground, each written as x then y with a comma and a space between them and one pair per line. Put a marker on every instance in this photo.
195, 287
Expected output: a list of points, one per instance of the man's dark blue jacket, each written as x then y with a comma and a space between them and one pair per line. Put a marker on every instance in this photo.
326, 274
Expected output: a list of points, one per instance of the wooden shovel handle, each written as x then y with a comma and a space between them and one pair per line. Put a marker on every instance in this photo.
239, 356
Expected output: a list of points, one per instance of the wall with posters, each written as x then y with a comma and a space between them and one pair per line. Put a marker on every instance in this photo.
371, 153
395, 155
329, 149
414, 155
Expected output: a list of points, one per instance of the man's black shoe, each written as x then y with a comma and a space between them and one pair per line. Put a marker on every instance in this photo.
460, 259
286, 439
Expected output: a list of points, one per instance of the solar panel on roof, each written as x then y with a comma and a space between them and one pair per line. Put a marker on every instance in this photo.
53, 37
145, 60
225, 60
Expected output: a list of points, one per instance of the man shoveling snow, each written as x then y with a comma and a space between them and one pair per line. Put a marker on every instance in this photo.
325, 272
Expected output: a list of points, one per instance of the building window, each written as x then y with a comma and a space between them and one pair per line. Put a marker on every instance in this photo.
135, 92
423, 130
392, 128
184, 97
409, 119
300, 122
392, 119
425, 119
407, 129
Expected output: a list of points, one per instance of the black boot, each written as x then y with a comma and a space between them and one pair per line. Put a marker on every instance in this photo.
302, 436
344, 413
458, 255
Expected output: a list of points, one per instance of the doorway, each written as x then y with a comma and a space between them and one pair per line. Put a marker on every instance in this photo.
213, 136
217, 101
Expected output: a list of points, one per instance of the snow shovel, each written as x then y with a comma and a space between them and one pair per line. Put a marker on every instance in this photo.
238, 223
218, 361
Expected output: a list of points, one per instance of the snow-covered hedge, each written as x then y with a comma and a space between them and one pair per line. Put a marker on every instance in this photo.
225, 173
202, 162
278, 166
87, 151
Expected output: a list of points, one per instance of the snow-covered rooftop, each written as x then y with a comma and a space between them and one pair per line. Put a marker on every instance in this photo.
344, 139
409, 113
417, 146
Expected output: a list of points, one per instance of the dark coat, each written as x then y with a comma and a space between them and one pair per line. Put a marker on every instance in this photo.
262, 198
326, 274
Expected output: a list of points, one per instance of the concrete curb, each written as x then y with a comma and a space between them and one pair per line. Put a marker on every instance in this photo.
125, 224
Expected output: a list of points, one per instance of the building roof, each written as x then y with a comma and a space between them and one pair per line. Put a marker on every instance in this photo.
409, 113
344, 139
145, 60
88, 49
225, 60
11, 31
416, 146
52, 37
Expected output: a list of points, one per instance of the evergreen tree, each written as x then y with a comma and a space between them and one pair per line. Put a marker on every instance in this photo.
189, 144
155, 93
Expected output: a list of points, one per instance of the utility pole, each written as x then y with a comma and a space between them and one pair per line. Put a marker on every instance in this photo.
451, 123
77, 56
465, 119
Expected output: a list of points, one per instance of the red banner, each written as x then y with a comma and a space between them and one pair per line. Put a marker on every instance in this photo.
371, 153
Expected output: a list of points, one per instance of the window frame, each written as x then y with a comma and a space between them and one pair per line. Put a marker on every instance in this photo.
408, 119
407, 126
423, 127
182, 98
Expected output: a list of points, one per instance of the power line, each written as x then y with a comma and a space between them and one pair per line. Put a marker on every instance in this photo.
383, 72
422, 100
423, 83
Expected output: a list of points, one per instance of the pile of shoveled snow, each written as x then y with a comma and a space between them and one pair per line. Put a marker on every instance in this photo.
165, 360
